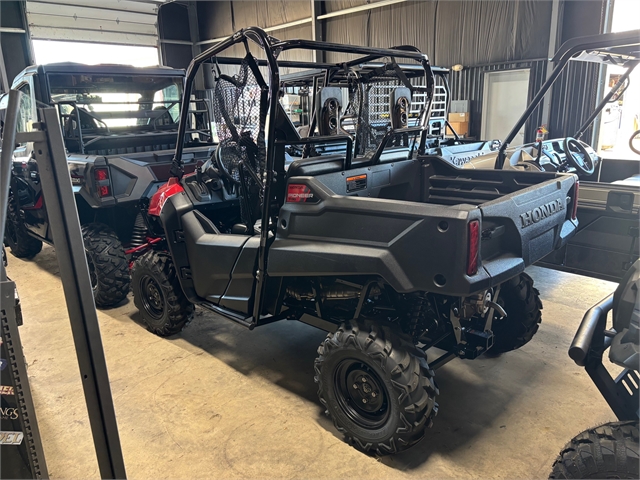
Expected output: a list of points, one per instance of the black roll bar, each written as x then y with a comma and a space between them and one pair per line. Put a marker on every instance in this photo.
270, 45
325, 139
594, 319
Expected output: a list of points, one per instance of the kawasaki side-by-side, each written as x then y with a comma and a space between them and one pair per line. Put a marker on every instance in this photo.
391, 250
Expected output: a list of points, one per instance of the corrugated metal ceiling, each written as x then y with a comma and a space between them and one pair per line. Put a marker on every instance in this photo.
125, 22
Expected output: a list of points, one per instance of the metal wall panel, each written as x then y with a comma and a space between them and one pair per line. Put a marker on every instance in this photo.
482, 35
220, 19
574, 98
451, 32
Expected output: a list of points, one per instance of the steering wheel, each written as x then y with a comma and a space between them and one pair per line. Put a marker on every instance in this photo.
577, 156
228, 158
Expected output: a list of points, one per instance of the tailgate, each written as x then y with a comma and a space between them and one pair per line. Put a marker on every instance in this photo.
520, 228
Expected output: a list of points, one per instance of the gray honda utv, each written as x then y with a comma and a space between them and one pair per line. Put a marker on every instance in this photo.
389, 249
606, 243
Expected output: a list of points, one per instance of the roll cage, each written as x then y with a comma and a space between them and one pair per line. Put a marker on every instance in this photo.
271, 180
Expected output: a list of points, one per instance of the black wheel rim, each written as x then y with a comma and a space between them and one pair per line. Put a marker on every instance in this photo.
152, 297
361, 394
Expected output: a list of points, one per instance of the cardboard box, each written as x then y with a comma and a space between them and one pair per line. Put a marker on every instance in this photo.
461, 128
459, 117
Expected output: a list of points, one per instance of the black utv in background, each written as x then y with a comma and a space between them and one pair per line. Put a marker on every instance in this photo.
364, 234
119, 125
610, 450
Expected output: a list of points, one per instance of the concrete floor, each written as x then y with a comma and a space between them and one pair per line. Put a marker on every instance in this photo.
221, 401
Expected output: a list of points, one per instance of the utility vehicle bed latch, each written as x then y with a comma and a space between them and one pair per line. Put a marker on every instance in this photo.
178, 235
494, 232
185, 273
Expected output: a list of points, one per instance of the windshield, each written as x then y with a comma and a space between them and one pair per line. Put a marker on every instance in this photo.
119, 101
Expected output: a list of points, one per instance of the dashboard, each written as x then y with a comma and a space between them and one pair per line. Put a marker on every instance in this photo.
554, 158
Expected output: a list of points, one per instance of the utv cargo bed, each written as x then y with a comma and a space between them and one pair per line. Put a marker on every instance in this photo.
392, 219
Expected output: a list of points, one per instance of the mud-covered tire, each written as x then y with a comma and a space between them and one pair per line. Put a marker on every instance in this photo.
158, 296
16, 236
108, 265
394, 368
607, 451
521, 300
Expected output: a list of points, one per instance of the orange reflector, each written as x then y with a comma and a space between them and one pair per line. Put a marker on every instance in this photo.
357, 177
474, 245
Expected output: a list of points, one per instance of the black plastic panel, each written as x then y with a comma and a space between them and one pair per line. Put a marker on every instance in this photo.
240, 292
213, 257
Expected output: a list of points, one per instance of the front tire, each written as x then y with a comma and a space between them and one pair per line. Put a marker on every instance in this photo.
158, 296
521, 300
608, 451
108, 266
16, 237
375, 386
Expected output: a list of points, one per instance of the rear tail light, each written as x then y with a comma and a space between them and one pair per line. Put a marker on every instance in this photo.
574, 201
299, 193
103, 184
473, 247
101, 174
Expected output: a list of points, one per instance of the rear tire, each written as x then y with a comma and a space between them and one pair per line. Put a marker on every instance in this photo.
158, 296
108, 266
608, 451
379, 392
16, 237
521, 300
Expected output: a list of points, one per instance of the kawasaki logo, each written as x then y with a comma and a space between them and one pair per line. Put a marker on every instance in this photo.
540, 213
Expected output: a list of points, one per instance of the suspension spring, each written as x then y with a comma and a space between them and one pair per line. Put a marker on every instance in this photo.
419, 310
139, 233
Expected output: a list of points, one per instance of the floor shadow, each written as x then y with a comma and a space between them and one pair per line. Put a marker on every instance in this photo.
466, 408
471, 396
282, 352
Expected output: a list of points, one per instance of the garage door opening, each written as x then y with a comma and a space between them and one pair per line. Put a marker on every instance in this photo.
50, 51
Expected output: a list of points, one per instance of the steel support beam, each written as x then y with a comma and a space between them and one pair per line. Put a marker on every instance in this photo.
65, 227
316, 28
194, 35
3, 74
553, 42
602, 74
